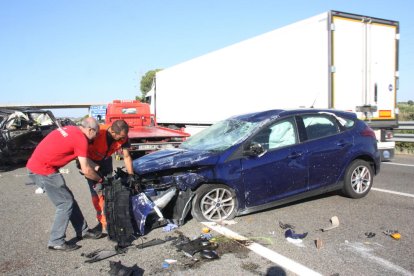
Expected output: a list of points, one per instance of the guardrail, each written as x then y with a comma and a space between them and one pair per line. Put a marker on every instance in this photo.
403, 137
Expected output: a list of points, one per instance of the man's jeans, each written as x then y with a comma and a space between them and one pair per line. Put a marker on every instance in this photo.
67, 209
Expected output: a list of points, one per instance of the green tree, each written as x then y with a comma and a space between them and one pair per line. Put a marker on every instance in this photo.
410, 102
146, 83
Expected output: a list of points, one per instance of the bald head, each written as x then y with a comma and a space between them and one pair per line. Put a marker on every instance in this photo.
90, 127
90, 122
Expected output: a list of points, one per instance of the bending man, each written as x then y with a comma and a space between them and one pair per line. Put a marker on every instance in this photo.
56, 150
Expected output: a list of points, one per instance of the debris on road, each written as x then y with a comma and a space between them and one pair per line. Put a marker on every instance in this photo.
334, 223
286, 226
318, 243
118, 269
393, 234
370, 234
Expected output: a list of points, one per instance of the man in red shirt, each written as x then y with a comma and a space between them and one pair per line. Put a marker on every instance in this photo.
109, 140
56, 150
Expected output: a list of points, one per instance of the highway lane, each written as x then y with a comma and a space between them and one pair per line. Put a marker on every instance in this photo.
26, 219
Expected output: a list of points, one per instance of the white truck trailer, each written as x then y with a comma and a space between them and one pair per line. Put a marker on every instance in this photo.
332, 60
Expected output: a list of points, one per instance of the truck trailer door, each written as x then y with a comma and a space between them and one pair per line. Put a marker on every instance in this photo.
364, 67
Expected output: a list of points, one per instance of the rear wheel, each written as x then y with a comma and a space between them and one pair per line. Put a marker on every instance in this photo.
358, 180
214, 202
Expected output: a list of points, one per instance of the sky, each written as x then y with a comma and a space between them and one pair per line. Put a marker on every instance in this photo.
95, 51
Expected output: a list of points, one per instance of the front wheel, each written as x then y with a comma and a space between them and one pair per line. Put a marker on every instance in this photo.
359, 178
214, 202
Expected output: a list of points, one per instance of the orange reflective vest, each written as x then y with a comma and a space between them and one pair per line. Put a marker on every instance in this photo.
98, 149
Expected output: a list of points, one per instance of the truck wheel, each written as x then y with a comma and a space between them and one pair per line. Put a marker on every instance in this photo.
214, 202
359, 178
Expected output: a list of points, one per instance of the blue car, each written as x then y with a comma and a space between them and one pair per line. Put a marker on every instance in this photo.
260, 160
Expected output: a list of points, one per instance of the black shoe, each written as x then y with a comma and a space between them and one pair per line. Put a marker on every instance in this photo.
90, 235
65, 247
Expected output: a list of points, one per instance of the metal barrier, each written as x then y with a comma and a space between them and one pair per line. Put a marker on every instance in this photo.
403, 137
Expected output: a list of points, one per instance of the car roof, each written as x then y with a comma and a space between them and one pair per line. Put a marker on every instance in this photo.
7, 110
278, 113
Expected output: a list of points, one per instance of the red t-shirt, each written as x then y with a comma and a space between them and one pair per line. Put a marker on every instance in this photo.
57, 149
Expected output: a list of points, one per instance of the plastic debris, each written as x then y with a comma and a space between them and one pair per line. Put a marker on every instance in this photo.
165, 265
294, 241
334, 223
101, 254
206, 236
370, 234
205, 230
209, 254
286, 226
291, 234
39, 191
169, 227
170, 261
393, 234
396, 236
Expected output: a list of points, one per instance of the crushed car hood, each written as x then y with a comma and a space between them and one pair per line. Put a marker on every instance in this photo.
173, 158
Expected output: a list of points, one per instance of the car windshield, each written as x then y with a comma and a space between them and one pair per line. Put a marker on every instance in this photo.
221, 135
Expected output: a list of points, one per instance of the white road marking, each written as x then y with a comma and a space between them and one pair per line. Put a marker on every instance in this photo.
263, 251
392, 192
366, 253
397, 164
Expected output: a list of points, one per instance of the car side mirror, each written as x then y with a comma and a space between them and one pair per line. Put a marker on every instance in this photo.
255, 149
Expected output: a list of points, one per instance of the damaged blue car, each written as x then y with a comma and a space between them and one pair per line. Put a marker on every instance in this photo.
260, 160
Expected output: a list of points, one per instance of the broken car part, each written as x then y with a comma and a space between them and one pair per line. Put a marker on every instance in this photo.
286, 226
155, 242
369, 234
291, 234
102, 254
191, 247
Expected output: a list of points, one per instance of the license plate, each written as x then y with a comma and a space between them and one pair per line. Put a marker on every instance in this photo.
148, 147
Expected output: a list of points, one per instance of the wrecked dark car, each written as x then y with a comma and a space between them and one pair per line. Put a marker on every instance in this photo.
21, 131
256, 161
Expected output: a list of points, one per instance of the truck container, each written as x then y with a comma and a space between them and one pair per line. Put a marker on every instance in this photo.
332, 60
145, 135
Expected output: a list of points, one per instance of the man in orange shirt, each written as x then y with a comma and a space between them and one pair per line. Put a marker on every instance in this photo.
109, 140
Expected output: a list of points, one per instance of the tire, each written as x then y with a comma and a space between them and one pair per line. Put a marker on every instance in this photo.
359, 178
214, 202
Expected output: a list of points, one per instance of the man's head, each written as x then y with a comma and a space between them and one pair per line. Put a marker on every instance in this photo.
119, 130
90, 127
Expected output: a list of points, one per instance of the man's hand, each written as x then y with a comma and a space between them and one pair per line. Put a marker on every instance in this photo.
133, 182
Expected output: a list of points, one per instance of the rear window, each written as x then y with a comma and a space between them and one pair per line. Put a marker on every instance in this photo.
318, 126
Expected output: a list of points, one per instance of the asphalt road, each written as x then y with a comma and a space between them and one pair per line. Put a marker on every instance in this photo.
26, 218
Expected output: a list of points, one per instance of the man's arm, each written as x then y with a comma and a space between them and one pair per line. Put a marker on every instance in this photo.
88, 170
128, 161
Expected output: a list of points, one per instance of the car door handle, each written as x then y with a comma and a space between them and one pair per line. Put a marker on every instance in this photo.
295, 154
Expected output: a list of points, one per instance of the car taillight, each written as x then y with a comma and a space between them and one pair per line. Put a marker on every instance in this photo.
368, 132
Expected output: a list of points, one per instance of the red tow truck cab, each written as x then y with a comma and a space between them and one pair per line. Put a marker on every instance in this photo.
144, 133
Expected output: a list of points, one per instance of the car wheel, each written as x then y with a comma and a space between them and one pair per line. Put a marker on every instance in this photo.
214, 202
358, 180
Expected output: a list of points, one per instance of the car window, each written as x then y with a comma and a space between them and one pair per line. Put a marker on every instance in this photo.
318, 126
277, 135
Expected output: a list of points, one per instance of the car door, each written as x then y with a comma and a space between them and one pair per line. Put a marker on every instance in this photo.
281, 170
327, 147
